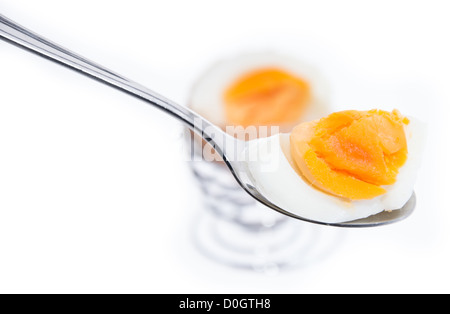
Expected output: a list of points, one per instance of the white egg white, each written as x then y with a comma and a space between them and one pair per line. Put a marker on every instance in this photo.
273, 174
207, 93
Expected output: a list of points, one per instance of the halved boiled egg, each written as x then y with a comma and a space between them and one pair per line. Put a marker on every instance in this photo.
346, 166
260, 89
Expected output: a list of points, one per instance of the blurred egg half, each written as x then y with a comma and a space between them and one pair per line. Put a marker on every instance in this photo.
260, 89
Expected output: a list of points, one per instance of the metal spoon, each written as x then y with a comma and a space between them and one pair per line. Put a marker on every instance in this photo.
225, 145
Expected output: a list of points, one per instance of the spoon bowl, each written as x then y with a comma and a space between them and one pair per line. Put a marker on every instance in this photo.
243, 176
225, 145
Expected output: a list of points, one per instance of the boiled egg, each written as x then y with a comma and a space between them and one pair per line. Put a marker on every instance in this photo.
346, 166
260, 89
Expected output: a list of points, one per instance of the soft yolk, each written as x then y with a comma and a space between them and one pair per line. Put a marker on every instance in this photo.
266, 97
351, 154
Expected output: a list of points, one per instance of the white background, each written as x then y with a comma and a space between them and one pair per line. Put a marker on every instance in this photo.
95, 195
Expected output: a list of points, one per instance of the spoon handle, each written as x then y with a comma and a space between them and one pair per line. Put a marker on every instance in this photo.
24, 38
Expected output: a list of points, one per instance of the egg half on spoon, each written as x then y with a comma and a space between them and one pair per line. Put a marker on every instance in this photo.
346, 166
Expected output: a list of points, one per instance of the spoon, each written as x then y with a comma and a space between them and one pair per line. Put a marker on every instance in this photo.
225, 145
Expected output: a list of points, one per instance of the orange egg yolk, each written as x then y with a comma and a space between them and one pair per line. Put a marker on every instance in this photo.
266, 97
351, 154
